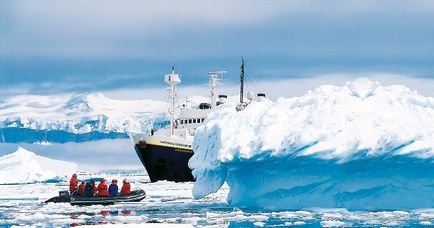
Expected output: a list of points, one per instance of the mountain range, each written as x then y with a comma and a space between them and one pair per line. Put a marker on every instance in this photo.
76, 118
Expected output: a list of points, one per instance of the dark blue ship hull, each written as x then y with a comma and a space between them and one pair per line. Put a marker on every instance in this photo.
165, 163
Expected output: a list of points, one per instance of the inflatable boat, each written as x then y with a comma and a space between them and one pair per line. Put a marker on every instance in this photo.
65, 197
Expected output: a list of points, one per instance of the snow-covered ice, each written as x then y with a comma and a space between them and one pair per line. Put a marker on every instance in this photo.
77, 114
166, 203
148, 225
24, 166
358, 146
170, 203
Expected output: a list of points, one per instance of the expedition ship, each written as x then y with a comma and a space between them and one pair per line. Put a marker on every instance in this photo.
165, 152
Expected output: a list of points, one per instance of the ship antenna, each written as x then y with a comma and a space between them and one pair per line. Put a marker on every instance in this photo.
242, 80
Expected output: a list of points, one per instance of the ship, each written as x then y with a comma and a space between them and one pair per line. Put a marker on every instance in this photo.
165, 152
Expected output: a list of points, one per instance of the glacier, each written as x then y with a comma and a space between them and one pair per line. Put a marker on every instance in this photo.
360, 146
76, 118
23, 166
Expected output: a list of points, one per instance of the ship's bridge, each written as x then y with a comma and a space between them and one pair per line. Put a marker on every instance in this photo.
191, 118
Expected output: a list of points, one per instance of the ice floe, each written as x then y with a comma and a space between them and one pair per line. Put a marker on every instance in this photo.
171, 204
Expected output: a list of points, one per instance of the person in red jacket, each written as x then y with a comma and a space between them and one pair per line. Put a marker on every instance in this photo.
102, 188
81, 188
73, 187
126, 188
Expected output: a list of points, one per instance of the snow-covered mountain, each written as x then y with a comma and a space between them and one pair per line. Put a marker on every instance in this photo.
30, 118
24, 166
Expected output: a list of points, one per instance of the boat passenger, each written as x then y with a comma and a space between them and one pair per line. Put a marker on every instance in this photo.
73, 187
102, 188
126, 187
113, 188
89, 189
81, 188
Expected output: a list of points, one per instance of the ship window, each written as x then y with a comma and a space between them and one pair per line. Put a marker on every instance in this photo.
203, 119
198, 120
194, 120
182, 121
189, 121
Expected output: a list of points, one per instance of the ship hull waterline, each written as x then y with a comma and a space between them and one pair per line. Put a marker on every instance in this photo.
164, 162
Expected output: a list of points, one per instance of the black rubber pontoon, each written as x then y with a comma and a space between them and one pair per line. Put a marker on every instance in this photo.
64, 197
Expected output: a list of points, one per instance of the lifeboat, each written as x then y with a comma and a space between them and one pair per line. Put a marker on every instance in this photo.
65, 197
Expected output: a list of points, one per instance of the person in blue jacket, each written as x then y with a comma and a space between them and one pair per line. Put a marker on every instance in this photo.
113, 188
89, 189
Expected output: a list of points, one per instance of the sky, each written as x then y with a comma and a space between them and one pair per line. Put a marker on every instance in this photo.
125, 47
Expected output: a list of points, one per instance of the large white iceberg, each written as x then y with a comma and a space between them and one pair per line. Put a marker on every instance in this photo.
24, 166
359, 146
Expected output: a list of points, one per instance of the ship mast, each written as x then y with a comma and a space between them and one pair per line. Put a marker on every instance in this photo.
242, 80
214, 77
172, 79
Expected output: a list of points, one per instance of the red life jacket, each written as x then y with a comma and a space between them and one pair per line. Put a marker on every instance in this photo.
72, 184
102, 189
81, 188
126, 189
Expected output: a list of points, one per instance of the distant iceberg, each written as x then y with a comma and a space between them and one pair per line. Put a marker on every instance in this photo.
24, 166
359, 146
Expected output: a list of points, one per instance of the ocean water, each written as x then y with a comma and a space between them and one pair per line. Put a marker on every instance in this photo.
172, 203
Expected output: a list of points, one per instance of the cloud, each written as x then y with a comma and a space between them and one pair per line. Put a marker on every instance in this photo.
116, 28
75, 46
186, 29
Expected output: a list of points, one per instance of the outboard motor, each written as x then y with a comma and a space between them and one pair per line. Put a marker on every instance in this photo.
260, 97
64, 196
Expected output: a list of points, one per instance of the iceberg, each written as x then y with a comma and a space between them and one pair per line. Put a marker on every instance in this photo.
361, 146
24, 166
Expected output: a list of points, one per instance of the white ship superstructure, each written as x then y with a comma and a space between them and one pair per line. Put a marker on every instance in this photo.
165, 152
